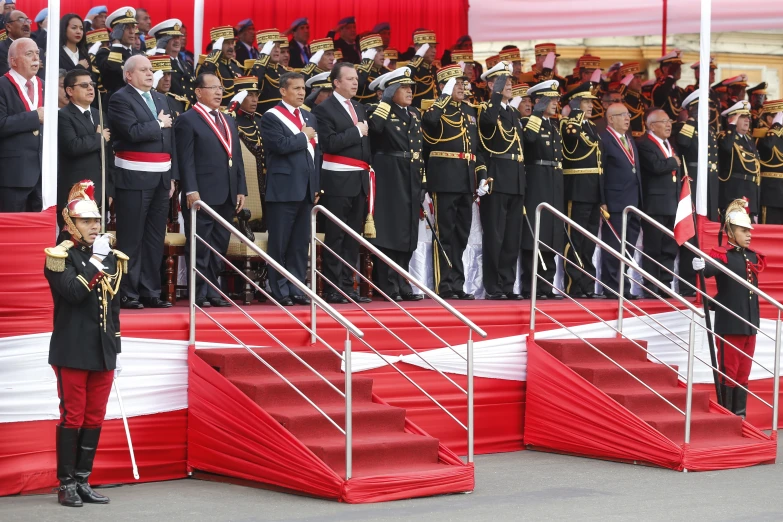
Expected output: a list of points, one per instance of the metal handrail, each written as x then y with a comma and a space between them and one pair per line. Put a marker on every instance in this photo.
350, 328
472, 327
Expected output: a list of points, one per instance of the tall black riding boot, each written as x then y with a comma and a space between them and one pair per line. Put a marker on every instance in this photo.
88, 445
727, 395
740, 401
67, 441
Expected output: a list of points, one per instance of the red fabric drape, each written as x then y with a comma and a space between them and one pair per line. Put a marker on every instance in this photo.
25, 301
449, 18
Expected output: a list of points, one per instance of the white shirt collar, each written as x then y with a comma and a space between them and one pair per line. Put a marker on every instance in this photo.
339, 97
290, 108
504, 105
141, 93
82, 109
615, 132
74, 56
207, 109
249, 47
664, 144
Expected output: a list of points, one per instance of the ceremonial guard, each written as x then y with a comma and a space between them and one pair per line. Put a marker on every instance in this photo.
544, 68
511, 55
666, 94
742, 304
320, 87
696, 67
390, 58
370, 68
84, 274
583, 188
96, 40
631, 91
757, 95
464, 58
110, 60
738, 160
221, 62
266, 68
451, 132
770, 147
735, 93
422, 69
521, 100
544, 168
322, 59
502, 187
169, 37
395, 133
161, 67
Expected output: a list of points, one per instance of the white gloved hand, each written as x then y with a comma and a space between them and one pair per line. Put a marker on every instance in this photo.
117, 367
102, 246
565, 111
238, 97
156, 76
218, 45
461, 66
549, 61
778, 118
386, 62
423, 50
596, 77
369, 54
94, 48
152, 52
267, 48
698, 264
515, 101
449, 87
315, 58
627, 79
483, 188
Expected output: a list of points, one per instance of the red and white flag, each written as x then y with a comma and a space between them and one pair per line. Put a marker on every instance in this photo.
684, 229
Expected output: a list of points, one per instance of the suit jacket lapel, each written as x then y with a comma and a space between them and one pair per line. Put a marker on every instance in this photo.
342, 111
136, 96
79, 115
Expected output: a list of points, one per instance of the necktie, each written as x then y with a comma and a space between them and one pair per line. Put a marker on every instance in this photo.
151, 104
299, 123
219, 122
625, 141
30, 90
305, 58
353, 112
89, 116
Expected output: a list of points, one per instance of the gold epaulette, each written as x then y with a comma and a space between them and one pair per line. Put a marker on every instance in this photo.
761, 132
306, 108
307, 69
687, 130
428, 102
415, 62
533, 124
262, 61
115, 57
382, 111
56, 256
122, 260
213, 57
248, 65
365, 66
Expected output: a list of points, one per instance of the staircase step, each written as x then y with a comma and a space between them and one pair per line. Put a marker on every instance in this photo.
639, 399
605, 374
234, 362
704, 426
271, 391
375, 453
368, 418
573, 351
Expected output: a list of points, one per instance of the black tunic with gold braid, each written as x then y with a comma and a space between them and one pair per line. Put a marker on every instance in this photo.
368, 72
685, 135
424, 75
637, 105
770, 148
178, 104
268, 74
739, 169
109, 62
249, 127
667, 96
583, 180
224, 69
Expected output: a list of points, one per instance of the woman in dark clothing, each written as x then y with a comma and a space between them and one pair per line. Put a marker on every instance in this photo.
73, 50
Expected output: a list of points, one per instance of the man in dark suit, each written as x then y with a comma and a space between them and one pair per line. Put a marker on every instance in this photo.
246, 35
622, 186
212, 171
21, 130
79, 136
17, 26
293, 156
661, 181
300, 51
146, 167
343, 136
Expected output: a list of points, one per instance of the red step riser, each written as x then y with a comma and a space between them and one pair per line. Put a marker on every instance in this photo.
364, 423
377, 456
717, 426
650, 403
271, 394
654, 376
245, 364
575, 352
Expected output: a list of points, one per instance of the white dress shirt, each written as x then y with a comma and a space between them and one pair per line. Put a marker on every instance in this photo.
74, 56
667, 150
342, 101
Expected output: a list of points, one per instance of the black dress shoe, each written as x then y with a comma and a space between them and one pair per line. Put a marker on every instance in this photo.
496, 297
131, 304
449, 295
359, 299
285, 301
397, 298
219, 302
335, 299
542, 297
154, 302
465, 296
514, 297
300, 299
410, 296
89, 495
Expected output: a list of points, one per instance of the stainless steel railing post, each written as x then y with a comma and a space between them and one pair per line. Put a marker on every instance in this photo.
621, 275
689, 396
534, 281
776, 376
470, 395
313, 279
348, 408
192, 273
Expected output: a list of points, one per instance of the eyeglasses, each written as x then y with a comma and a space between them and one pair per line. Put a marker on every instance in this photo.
662, 121
621, 115
214, 87
20, 19
84, 85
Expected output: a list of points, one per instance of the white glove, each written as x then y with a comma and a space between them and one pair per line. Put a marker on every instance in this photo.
218, 45
369, 54
515, 101
118, 367
151, 52
238, 97
698, 264
627, 79
102, 246
461, 66
778, 118
314, 59
549, 61
483, 188
596, 77
565, 111
156, 76
423, 50
449, 87
94, 48
386, 62
267, 48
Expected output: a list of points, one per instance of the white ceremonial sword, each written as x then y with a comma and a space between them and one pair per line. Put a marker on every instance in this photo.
127, 430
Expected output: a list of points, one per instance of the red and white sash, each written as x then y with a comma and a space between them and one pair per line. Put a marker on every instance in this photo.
294, 125
28, 103
142, 161
227, 142
346, 164
667, 153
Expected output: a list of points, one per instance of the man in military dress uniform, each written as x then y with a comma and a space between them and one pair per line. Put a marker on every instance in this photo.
696, 67
322, 59
320, 87
395, 134
757, 95
544, 168
545, 67
631, 91
451, 133
583, 188
666, 94
421, 66
96, 40
521, 100
266, 68
738, 160
770, 146
502, 200
221, 62
110, 60
370, 68
84, 274
390, 58
510, 54
168, 36
161, 67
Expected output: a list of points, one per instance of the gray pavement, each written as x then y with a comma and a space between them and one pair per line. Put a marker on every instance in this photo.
526, 485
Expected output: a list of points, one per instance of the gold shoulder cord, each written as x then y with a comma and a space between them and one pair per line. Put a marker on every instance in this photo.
504, 134
457, 124
737, 151
775, 154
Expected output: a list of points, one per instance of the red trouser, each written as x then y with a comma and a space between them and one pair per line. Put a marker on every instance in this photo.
736, 365
83, 396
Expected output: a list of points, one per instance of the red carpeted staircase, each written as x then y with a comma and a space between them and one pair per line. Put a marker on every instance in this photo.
381, 444
715, 433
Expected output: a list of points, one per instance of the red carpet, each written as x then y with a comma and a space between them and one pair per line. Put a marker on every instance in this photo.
579, 402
